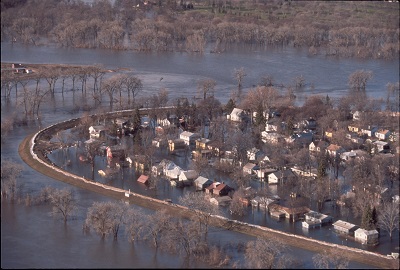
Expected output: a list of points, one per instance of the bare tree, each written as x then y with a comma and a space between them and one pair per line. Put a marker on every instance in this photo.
184, 237
332, 259
105, 218
267, 80
63, 202
264, 253
238, 75
157, 224
135, 223
10, 171
358, 79
201, 206
388, 217
237, 206
206, 86
133, 85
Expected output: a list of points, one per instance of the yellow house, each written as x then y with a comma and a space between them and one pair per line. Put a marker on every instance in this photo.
202, 143
329, 133
353, 128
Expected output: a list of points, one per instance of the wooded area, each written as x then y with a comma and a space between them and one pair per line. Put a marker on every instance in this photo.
362, 29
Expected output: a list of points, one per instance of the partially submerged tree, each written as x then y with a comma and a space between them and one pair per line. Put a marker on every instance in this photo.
63, 202
388, 218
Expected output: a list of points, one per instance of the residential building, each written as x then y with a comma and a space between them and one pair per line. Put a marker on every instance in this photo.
369, 237
202, 182
280, 176
189, 137
236, 115
382, 134
345, 227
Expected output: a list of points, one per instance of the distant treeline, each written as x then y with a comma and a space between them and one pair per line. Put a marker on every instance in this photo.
361, 29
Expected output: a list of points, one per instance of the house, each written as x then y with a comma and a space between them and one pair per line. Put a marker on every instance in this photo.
357, 115
201, 183
334, 149
369, 237
262, 202
263, 173
171, 120
249, 168
354, 128
280, 176
355, 138
236, 115
118, 151
176, 145
291, 213
313, 172
187, 177
202, 143
121, 122
272, 137
381, 146
369, 131
255, 154
348, 155
172, 171
210, 188
189, 138
144, 179
145, 121
329, 133
301, 138
309, 123
322, 218
140, 163
273, 125
207, 154
159, 142
318, 146
345, 227
222, 190
394, 137
382, 134
222, 201
96, 132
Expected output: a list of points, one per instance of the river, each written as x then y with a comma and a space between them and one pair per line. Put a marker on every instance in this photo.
31, 238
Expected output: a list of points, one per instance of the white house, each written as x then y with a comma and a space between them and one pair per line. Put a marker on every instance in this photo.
369, 131
381, 146
280, 176
382, 134
97, 131
187, 177
189, 137
236, 115
201, 183
317, 146
272, 137
173, 173
334, 149
249, 168
254, 154
366, 237
348, 155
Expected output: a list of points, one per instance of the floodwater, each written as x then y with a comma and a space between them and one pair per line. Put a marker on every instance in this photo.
31, 238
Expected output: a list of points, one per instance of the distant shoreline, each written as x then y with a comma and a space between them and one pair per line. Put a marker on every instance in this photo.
358, 255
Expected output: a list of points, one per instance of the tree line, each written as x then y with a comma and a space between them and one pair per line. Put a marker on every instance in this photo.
329, 28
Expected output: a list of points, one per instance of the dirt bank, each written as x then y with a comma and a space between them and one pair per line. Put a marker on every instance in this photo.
357, 255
